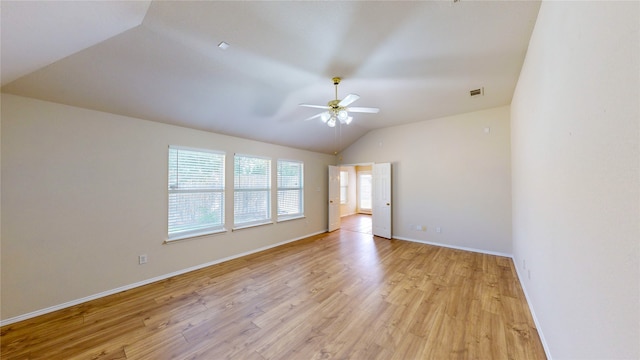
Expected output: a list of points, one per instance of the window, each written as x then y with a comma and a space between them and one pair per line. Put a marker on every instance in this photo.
344, 186
252, 190
196, 192
364, 189
290, 189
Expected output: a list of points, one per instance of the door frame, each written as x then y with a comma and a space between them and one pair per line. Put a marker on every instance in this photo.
373, 217
382, 219
333, 201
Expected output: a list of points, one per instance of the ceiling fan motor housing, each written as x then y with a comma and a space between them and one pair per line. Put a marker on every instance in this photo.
333, 104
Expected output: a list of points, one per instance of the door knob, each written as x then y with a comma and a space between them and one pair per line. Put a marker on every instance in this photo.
388, 204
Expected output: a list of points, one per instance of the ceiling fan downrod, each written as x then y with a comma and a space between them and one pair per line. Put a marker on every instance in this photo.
336, 82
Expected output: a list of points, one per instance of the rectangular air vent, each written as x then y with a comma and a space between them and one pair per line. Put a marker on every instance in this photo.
477, 92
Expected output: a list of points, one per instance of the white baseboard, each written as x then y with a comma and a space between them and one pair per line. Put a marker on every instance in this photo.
481, 251
533, 313
144, 282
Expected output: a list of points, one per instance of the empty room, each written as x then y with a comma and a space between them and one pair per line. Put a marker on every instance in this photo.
446, 179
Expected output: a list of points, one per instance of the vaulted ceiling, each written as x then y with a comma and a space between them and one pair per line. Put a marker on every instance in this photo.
160, 61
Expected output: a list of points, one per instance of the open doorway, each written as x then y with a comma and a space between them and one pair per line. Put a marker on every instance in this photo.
356, 190
356, 193
343, 196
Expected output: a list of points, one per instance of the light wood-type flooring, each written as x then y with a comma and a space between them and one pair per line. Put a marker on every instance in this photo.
340, 295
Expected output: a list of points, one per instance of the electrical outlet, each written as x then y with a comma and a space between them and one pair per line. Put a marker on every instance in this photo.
142, 259
524, 264
438, 229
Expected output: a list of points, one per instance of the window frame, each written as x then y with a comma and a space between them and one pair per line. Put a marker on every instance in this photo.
267, 190
221, 189
300, 189
344, 189
359, 176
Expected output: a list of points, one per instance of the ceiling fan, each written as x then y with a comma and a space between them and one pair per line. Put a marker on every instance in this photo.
338, 110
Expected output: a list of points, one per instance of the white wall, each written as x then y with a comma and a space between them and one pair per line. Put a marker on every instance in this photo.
575, 144
84, 193
447, 173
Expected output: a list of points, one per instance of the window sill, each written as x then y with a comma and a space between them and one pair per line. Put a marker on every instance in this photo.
287, 218
247, 226
195, 235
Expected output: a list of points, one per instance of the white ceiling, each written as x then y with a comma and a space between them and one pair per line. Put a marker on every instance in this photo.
159, 60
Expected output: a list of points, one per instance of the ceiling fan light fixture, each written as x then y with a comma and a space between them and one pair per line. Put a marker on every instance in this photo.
338, 110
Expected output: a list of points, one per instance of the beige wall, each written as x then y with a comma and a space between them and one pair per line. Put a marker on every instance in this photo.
576, 168
84, 193
447, 173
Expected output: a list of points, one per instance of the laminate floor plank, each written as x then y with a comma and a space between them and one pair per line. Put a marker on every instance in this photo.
339, 295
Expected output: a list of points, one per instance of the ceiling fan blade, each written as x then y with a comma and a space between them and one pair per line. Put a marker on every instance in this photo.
348, 100
363, 110
314, 116
315, 106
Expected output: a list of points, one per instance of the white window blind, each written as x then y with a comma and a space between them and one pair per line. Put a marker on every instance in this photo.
252, 190
196, 192
365, 188
344, 186
290, 189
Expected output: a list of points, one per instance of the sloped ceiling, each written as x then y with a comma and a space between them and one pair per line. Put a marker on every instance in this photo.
38, 33
159, 61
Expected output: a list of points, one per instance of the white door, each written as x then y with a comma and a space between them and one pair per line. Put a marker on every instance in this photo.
381, 219
334, 198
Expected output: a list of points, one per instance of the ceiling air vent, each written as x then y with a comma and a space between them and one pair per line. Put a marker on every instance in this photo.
477, 92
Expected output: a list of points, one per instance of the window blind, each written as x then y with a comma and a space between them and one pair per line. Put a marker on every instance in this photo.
344, 186
196, 192
290, 189
252, 190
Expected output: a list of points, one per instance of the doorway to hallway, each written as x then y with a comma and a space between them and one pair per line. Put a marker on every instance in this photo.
342, 198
